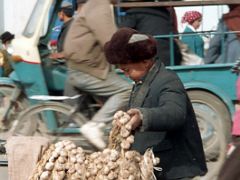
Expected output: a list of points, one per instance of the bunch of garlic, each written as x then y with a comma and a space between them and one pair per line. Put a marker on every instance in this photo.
110, 167
129, 166
62, 161
71, 162
41, 164
93, 165
65, 160
121, 132
98, 166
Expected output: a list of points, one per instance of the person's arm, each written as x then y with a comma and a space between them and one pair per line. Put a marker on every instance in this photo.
58, 55
171, 111
214, 50
168, 115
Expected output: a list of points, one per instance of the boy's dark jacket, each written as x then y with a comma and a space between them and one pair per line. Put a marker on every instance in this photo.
169, 125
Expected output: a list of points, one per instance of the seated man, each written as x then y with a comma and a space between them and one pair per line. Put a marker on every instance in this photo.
65, 15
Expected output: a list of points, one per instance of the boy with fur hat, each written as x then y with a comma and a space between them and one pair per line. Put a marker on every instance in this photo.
161, 113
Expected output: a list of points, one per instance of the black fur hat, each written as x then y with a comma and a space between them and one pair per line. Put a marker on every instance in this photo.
130, 46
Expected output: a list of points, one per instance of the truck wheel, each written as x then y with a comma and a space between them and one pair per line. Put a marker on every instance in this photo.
214, 122
211, 114
215, 154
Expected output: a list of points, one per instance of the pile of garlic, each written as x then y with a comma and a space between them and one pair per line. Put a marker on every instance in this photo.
60, 161
120, 135
65, 160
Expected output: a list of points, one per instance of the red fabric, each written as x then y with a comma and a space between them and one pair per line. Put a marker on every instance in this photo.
238, 88
53, 43
236, 124
236, 118
191, 16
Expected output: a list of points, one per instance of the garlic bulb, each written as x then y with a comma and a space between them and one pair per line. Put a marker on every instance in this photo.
124, 132
118, 114
156, 161
128, 127
125, 145
49, 166
45, 175
130, 139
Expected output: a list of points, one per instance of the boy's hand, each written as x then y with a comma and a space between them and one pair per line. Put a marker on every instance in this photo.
136, 118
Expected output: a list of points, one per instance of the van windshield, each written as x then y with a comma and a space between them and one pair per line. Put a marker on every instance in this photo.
34, 19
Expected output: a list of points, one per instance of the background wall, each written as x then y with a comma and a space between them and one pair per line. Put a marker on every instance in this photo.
211, 15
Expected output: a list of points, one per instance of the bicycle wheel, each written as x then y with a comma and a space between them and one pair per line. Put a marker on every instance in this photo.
6, 92
32, 121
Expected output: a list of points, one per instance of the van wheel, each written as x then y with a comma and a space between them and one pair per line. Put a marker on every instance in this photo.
214, 122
